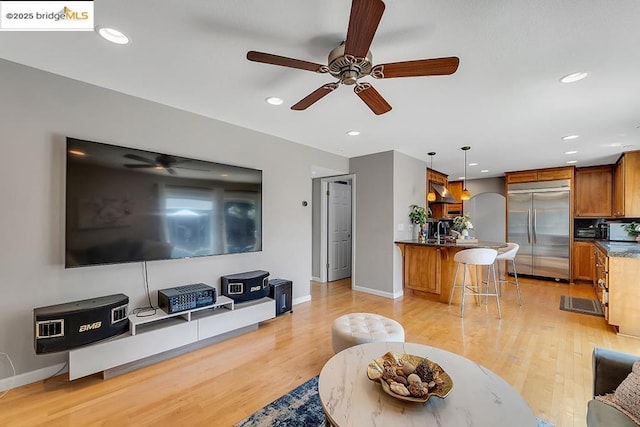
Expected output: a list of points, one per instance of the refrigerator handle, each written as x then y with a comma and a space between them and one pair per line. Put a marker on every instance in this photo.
535, 225
529, 226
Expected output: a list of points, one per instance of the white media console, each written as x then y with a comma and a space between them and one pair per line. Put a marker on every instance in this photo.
153, 335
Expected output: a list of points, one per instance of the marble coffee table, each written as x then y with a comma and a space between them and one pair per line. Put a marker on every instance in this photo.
478, 398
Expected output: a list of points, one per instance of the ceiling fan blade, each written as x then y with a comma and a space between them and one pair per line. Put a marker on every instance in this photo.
417, 68
315, 96
140, 159
372, 98
363, 23
139, 166
171, 171
283, 61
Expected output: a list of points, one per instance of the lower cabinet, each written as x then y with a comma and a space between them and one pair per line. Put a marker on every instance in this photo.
168, 334
430, 270
583, 261
422, 269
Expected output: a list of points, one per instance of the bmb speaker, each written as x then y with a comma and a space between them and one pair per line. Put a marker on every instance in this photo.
245, 286
74, 324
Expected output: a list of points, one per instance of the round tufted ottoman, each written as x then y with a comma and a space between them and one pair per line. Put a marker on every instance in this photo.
359, 328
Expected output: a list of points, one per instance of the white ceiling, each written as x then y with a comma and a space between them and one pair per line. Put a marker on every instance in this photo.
505, 100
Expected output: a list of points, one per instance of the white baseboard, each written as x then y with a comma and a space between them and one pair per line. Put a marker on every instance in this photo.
32, 376
300, 300
378, 293
316, 279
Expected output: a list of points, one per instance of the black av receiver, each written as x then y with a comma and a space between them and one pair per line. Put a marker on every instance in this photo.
188, 297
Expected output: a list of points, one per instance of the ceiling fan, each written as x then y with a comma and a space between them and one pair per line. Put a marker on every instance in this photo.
161, 161
352, 60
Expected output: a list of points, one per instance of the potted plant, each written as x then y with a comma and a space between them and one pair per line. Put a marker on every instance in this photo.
633, 229
462, 224
419, 215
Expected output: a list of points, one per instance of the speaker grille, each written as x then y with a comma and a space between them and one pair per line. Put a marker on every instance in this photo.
50, 328
118, 314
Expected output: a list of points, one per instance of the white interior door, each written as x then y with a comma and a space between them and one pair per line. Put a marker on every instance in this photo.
339, 228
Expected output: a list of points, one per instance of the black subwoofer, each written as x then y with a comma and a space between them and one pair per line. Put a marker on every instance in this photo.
281, 290
74, 324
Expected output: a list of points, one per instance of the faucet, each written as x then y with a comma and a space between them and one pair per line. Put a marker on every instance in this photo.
444, 228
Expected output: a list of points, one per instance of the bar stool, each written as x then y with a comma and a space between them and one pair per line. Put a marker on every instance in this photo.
509, 254
475, 257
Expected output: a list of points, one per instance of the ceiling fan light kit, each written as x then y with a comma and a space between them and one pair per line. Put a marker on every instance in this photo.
352, 60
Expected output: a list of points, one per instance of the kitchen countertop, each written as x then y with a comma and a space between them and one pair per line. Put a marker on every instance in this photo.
454, 244
620, 249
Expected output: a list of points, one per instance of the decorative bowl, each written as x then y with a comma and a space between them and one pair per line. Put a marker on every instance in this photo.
396, 361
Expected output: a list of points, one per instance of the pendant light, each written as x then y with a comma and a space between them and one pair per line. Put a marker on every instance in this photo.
465, 193
431, 196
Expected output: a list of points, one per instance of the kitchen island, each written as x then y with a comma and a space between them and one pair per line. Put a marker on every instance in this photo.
617, 286
428, 268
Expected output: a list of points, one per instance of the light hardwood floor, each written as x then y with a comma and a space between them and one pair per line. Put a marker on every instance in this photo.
543, 352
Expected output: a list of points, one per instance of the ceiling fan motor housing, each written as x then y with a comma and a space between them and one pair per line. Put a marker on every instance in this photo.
348, 68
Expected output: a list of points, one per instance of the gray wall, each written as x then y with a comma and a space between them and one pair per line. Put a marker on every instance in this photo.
409, 188
374, 222
315, 220
487, 208
38, 111
386, 184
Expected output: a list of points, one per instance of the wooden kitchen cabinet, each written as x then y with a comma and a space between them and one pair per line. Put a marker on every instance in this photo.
624, 295
455, 209
626, 186
438, 210
583, 261
549, 174
523, 176
422, 269
593, 192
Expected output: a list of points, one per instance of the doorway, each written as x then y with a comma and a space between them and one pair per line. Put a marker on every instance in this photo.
336, 223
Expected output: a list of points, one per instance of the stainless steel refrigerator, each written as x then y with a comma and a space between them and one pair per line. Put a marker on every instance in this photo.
538, 219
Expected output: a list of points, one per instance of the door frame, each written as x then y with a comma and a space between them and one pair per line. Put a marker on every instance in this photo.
324, 229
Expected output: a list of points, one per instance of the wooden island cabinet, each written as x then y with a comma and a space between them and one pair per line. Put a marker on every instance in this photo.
428, 269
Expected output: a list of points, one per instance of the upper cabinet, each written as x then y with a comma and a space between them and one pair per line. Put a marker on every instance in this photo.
593, 195
626, 185
550, 174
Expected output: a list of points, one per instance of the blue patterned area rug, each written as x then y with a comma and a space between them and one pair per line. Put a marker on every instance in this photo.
300, 407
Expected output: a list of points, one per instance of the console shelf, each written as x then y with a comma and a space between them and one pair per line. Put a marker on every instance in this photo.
135, 320
151, 336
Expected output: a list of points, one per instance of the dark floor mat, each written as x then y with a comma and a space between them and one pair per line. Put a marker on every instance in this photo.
581, 305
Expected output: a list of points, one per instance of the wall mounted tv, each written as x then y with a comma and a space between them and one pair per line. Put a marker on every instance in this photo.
128, 205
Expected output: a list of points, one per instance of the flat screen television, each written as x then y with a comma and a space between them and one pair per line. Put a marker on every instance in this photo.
129, 205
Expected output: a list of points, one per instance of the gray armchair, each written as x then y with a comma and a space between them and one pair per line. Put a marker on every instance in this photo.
610, 368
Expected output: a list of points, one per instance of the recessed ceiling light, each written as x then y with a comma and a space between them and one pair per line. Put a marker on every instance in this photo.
570, 152
570, 137
112, 35
473, 164
461, 177
77, 152
353, 133
628, 146
484, 171
274, 101
574, 77
572, 162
